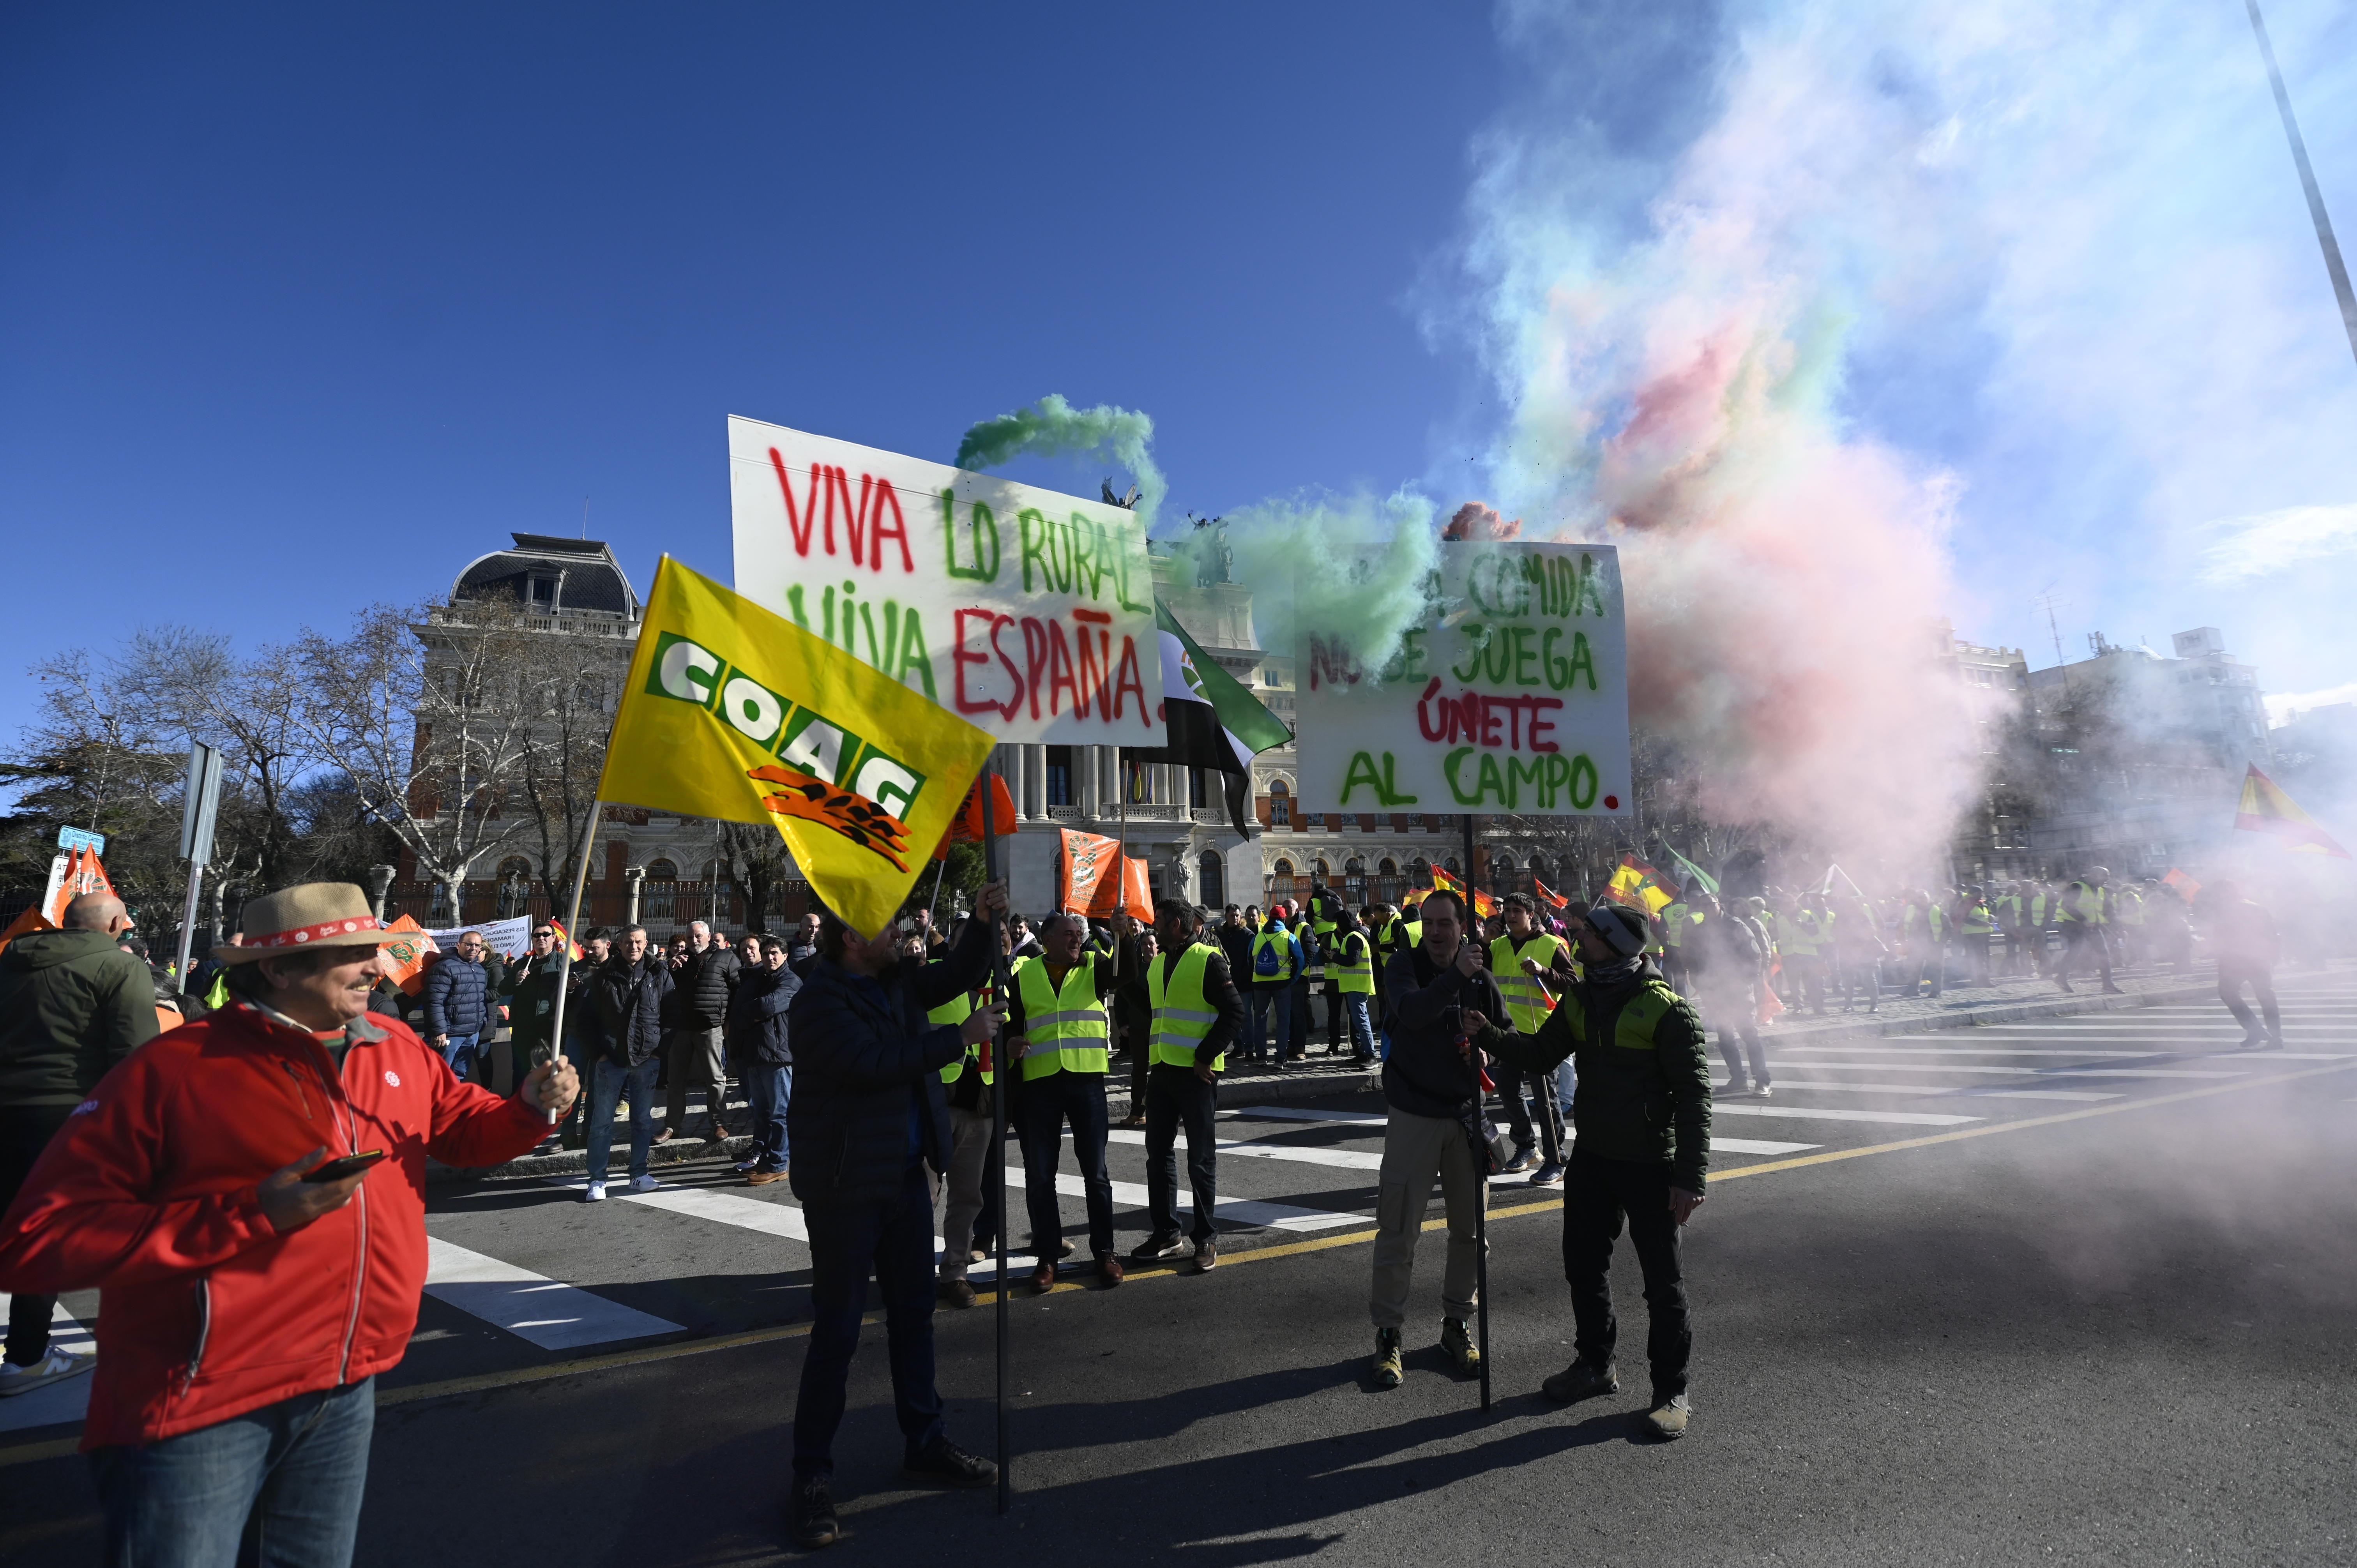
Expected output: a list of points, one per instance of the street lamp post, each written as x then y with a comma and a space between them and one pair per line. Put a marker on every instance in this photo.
380, 878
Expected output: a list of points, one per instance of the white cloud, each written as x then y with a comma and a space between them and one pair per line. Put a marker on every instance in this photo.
2282, 707
2269, 542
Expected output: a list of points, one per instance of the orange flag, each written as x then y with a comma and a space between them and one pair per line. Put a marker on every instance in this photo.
405, 960
1550, 895
1088, 873
966, 827
1137, 890
31, 919
83, 873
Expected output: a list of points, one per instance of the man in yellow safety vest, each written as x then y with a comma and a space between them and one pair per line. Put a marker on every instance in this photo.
1277, 964
973, 1153
2083, 911
1197, 1013
1064, 1038
1351, 973
1531, 968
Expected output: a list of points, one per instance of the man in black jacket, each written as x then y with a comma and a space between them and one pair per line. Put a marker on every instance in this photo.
1642, 1118
868, 1119
628, 994
758, 1025
697, 1049
1434, 1092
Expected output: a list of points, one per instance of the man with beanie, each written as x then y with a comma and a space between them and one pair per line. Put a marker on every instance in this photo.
1641, 1121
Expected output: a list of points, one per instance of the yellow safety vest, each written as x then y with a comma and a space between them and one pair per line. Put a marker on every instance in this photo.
1353, 975
2130, 904
1934, 920
1063, 1031
1802, 939
1282, 945
2082, 904
1183, 1014
957, 1010
1414, 933
1528, 1002
1976, 921
1673, 924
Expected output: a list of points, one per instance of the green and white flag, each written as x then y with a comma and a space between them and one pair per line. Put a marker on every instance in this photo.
1214, 721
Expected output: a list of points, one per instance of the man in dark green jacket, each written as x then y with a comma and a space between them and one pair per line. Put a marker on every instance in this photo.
72, 1005
1641, 1116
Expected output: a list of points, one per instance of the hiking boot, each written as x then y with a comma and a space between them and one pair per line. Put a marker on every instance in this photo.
1579, 1381
945, 1464
1157, 1249
1548, 1174
1207, 1256
1667, 1419
1524, 1159
1462, 1352
954, 1289
811, 1513
54, 1367
1387, 1369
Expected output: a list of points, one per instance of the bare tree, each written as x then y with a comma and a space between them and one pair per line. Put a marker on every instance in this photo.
423, 711
569, 683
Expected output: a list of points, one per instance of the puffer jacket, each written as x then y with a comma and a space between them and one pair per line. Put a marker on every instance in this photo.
457, 998
706, 984
628, 1000
864, 1053
149, 1195
72, 1005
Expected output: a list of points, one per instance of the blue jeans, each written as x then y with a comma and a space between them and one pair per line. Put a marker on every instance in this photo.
460, 1053
1354, 1014
895, 1240
769, 1089
609, 1086
279, 1485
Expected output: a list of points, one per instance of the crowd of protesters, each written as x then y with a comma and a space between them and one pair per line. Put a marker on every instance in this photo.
209, 1172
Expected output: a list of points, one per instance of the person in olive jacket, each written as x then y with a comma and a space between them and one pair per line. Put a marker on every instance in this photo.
869, 1125
1641, 1114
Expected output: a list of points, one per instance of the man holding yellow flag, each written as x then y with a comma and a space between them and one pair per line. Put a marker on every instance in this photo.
735, 713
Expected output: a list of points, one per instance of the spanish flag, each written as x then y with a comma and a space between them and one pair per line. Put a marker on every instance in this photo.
735, 713
1639, 885
2266, 808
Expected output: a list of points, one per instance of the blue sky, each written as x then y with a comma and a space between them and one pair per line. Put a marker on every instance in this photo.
305, 306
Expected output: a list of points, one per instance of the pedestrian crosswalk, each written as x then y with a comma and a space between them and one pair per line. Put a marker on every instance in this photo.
526, 1265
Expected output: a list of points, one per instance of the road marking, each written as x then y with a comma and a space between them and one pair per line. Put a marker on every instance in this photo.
1934, 1092
1894, 1118
734, 1209
1883, 1065
1238, 1210
549, 1313
1987, 1128
59, 1403
2007, 1051
1349, 1159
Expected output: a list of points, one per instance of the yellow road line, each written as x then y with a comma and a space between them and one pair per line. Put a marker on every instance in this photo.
451, 1387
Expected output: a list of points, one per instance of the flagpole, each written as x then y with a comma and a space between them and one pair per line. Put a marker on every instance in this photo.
564, 948
989, 791
1481, 1155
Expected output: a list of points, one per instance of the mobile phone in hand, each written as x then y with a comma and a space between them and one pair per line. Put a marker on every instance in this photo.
337, 1170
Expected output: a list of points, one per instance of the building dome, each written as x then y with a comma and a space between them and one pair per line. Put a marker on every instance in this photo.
557, 575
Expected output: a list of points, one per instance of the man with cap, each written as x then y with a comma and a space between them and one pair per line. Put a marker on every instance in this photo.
1641, 1121
227, 1188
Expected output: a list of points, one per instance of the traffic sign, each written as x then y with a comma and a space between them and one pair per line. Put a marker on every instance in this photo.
71, 838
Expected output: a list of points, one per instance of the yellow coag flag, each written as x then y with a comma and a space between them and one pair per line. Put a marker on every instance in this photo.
738, 715
2266, 808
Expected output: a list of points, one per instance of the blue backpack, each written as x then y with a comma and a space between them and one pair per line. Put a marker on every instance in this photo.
1265, 962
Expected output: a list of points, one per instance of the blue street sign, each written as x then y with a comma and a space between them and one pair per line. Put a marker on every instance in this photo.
71, 838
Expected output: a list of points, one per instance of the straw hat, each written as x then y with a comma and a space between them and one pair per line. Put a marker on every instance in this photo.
309, 915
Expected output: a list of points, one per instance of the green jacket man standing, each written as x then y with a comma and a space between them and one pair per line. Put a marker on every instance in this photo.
1641, 1116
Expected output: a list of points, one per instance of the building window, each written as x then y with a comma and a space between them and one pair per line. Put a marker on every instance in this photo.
1284, 868
539, 594
1280, 810
1387, 868
1060, 776
515, 868
1199, 793
662, 871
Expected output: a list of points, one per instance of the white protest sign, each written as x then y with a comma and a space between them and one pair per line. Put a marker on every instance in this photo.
1511, 696
1027, 612
508, 939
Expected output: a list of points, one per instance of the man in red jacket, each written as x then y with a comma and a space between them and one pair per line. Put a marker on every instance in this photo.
246, 1308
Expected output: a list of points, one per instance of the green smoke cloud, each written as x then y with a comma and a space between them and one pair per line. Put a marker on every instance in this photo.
1357, 564
1054, 427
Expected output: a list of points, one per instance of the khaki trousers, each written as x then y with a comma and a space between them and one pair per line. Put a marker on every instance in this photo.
969, 1161
1416, 1149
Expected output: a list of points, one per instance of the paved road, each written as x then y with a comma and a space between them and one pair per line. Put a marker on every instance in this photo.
2070, 1288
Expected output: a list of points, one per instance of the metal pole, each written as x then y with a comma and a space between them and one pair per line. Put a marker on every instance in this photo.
986, 784
564, 947
2334, 265
189, 922
1480, 1161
